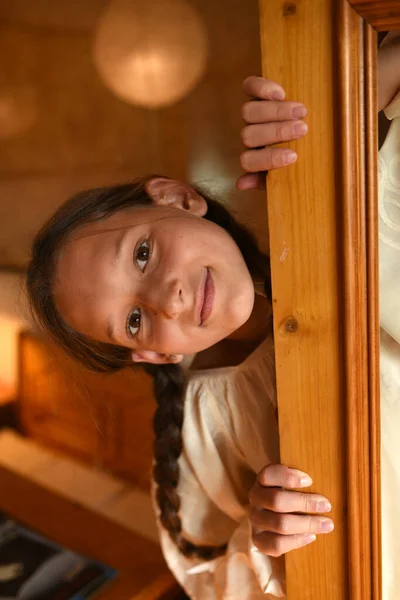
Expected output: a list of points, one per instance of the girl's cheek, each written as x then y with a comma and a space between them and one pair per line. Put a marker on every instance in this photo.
167, 338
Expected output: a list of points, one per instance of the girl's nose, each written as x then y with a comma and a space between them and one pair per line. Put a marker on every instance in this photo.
167, 299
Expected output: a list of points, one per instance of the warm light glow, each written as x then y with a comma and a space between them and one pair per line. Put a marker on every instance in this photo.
207, 168
18, 110
13, 313
9, 330
150, 52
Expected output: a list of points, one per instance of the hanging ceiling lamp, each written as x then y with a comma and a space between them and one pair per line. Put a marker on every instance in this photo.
150, 53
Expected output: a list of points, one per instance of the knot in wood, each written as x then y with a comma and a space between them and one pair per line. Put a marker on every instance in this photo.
289, 8
291, 325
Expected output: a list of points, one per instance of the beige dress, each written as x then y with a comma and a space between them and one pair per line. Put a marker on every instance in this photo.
389, 261
230, 432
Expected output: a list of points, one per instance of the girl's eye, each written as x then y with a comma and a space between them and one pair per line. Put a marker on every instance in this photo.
142, 255
133, 324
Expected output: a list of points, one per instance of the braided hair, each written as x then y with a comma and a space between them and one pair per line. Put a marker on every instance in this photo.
169, 381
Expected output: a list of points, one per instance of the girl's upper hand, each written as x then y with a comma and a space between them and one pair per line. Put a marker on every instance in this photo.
277, 526
388, 69
270, 119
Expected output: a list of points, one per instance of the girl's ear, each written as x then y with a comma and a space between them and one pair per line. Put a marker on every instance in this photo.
154, 358
168, 192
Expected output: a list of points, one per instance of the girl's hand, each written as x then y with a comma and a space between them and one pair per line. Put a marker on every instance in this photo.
270, 120
388, 69
276, 526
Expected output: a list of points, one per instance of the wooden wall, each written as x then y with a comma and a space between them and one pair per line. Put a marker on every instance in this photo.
78, 134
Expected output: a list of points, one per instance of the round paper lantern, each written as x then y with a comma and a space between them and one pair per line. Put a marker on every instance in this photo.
150, 52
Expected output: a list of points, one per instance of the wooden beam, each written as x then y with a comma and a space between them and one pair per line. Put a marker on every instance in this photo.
324, 266
383, 15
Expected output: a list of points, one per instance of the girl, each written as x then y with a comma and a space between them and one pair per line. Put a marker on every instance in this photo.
155, 270
151, 271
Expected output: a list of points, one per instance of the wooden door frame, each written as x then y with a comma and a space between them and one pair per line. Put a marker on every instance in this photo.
324, 259
382, 15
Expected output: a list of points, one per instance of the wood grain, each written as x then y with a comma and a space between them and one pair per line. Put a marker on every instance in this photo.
303, 220
324, 265
383, 15
371, 125
103, 420
356, 255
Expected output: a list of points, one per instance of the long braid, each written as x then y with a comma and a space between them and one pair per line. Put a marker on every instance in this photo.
169, 388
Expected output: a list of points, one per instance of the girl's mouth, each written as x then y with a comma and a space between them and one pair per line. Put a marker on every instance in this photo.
208, 298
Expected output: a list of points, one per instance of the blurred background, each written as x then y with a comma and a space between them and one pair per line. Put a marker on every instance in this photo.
94, 92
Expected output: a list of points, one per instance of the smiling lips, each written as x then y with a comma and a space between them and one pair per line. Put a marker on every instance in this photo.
207, 301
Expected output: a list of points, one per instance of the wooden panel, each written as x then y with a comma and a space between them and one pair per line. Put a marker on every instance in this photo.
324, 267
105, 420
52, 407
358, 153
127, 435
381, 14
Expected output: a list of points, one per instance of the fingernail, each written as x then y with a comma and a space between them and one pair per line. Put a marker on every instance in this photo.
324, 506
278, 95
289, 157
326, 526
305, 481
309, 537
300, 129
303, 478
299, 111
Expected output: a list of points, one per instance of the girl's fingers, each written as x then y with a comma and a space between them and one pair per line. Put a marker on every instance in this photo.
251, 181
257, 111
274, 544
270, 121
266, 159
258, 87
288, 524
282, 476
284, 501
254, 136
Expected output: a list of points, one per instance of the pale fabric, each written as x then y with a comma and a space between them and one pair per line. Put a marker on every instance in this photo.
230, 432
389, 261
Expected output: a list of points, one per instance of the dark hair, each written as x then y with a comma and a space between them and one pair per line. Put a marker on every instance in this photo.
169, 382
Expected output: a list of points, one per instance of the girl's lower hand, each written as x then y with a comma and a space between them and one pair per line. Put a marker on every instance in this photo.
277, 528
269, 120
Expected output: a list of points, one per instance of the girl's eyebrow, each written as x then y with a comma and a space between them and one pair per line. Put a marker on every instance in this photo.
110, 331
119, 242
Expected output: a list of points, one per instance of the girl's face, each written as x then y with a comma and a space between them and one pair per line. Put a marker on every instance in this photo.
159, 280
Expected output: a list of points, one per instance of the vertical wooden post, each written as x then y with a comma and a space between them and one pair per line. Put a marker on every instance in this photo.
324, 266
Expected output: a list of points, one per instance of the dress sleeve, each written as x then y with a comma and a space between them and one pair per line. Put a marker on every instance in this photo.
215, 477
389, 224
243, 573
